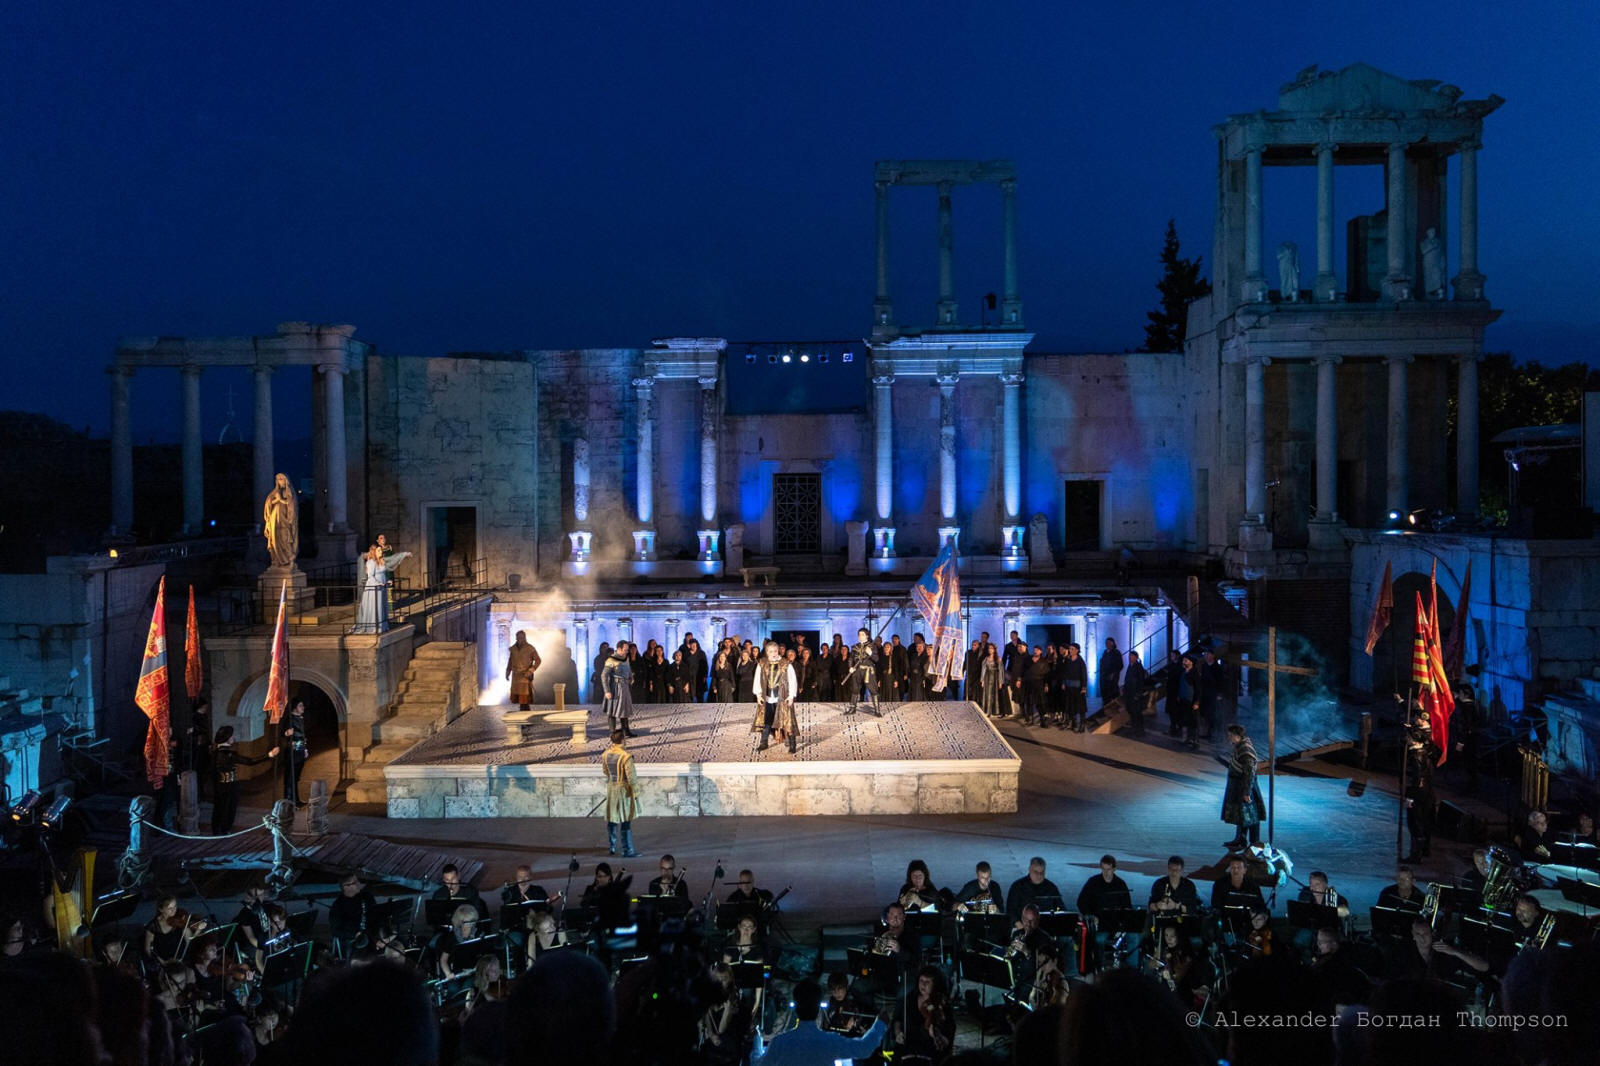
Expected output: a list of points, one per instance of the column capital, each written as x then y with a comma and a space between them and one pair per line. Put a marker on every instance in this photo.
1257, 360
882, 186
1324, 146
1334, 359
945, 188
1397, 146
117, 370
1402, 359
645, 382
1470, 357
263, 370
1012, 378
1469, 144
1253, 149
882, 381
1009, 186
707, 382
189, 370
332, 368
947, 381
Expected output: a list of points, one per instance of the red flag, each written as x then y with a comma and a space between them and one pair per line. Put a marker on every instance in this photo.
278, 680
152, 695
1420, 674
1383, 610
1455, 646
1427, 672
193, 673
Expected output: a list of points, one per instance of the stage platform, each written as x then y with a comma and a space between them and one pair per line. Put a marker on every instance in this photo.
700, 759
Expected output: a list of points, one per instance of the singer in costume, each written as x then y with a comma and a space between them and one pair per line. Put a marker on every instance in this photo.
862, 677
776, 689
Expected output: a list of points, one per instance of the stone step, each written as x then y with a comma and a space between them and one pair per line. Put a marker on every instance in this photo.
409, 727
441, 649
367, 792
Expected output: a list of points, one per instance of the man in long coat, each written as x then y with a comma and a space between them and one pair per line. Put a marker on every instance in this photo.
1241, 803
622, 794
522, 661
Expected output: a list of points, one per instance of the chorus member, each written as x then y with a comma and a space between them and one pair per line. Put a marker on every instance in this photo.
622, 794
917, 662
521, 662
295, 748
1035, 672
1403, 895
981, 894
224, 763
680, 679
745, 674
989, 689
1135, 687
776, 690
1241, 801
1033, 888
1174, 894
616, 688
722, 675
972, 667
699, 669
1075, 684
669, 882
167, 935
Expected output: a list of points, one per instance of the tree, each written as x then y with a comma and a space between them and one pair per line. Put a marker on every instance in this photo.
1180, 285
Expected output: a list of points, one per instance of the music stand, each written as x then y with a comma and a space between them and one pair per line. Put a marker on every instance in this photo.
728, 914
667, 906
1303, 914
991, 927
1189, 926
882, 968
751, 974
1059, 924
437, 912
991, 971
288, 966
302, 924
514, 916
1490, 941
1582, 893
464, 956
1124, 920
113, 907
1393, 922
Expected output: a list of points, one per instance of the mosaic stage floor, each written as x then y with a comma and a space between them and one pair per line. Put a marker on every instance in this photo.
701, 759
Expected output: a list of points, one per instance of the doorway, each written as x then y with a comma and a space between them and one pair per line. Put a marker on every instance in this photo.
324, 735
1081, 519
450, 533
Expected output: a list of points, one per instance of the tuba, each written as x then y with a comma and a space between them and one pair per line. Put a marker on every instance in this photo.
1501, 884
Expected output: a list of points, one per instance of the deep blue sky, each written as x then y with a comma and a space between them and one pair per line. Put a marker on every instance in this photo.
543, 175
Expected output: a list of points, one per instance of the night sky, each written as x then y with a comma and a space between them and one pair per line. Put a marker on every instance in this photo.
542, 175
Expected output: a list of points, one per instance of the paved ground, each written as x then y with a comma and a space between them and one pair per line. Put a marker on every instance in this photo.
720, 732
1081, 796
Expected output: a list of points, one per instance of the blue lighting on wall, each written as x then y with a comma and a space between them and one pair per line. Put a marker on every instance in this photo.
842, 490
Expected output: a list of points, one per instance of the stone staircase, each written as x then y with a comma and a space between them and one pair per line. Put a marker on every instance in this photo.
437, 688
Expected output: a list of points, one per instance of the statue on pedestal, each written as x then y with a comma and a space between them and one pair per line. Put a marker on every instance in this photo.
1289, 271
280, 523
1433, 265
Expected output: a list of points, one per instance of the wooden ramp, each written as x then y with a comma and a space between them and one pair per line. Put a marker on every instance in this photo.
1293, 747
375, 859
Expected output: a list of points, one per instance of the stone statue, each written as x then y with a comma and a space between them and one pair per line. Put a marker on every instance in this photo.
1433, 265
1289, 271
280, 521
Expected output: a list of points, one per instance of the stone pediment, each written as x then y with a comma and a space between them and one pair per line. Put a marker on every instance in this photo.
1363, 89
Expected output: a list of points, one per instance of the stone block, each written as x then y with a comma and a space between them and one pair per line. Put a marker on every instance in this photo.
816, 801
894, 785
1002, 801
519, 800
941, 801
402, 790
472, 786
405, 807
572, 806
471, 806
590, 786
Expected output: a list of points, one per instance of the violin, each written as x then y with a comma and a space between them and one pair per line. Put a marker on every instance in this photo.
1261, 941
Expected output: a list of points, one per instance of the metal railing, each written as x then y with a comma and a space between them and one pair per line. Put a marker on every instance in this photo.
328, 600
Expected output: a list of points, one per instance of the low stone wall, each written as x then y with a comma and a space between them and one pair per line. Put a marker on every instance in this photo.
711, 789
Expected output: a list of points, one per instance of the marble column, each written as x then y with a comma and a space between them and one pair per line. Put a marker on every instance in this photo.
644, 538
1326, 287
122, 452
947, 252
1467, 436
671, 640
1468, 282
710, 550
1011, 302
1397, 285
883, 428
1396, 488
336, 473
1091, 650
194, 477
261, 433
1011, 467
1254, 286
1327, 438
947, 447
882, 305
1254, 533
585, 663
580, 537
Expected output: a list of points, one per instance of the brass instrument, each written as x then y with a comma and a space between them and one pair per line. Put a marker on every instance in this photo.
1501, 883
1547, 926
1430, 905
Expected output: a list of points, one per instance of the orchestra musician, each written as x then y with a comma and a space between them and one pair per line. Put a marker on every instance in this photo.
1433, 958
725, 1026
1477, 877
545, 935
1527, 916
1178, 967
918, 893
1234, 889
253, 924
1101, 894
590, 900
1403, 894
839, 1014
1034, 888
927, 1030
1174, 894
1341, 978
981, 894
351, 915
463, 927
1259, 940
1534, 840
669, 882
488, 984
1319, 893
382, 943
167, 935
745, 892
1027, 940
451, 888
746, 944
889, 937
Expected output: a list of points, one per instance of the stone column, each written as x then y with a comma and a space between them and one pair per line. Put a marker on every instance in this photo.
122, 452
947, 251
947, 457
1012, 533
1253, 531
336, 473
1091, 649
1324, 526
882, 305
671, 640
883, 428
261, 446
1326, 288
1468, 282
1254, 287
585, 662
1395, 482
1011, 302
194, 478
580, 537
710, 551
1397, 285
644, 538
1467, 436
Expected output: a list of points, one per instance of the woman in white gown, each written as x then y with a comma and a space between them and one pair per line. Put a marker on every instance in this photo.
372, 609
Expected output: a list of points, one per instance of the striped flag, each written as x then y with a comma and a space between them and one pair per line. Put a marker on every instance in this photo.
1427, 673
193, 673
277, 700
153, 696
937, 595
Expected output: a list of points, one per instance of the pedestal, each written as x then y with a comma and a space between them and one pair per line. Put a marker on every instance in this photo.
582, 541
883, 542
1041, 560
733, 553
271, 583
1325, 535
856, 548
1254, 536
1013, 555
710, 548
644, 545
950, 535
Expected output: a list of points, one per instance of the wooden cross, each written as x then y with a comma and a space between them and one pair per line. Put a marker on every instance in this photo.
1273, 668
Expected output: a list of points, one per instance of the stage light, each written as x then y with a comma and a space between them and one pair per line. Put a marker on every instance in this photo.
1394, 516
772, 359
787, 358
823, 358
805, 359
22, 813
749, 357
849, 357
113, 553
51, 818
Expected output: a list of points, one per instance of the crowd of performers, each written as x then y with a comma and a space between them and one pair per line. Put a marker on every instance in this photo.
224, 985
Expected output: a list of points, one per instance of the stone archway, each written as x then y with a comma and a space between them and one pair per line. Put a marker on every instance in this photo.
327, 725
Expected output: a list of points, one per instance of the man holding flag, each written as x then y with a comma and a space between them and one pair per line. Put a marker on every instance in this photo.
937, 595
1427, 739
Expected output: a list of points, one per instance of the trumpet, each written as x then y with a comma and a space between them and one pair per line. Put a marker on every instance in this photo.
1430, 905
